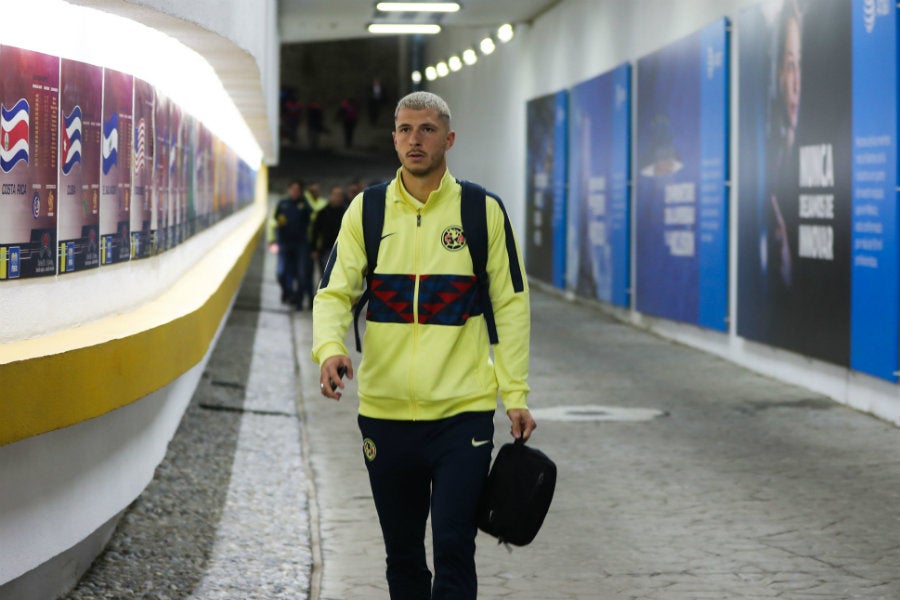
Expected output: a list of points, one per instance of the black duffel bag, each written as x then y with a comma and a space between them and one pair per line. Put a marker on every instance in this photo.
517, 495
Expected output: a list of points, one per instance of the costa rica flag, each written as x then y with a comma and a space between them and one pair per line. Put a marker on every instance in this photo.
14, 134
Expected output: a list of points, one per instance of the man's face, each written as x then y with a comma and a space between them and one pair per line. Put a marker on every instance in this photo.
336, 198
421, 139
294, 190
789, 74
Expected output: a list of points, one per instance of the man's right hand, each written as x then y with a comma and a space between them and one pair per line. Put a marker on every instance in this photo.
329, 374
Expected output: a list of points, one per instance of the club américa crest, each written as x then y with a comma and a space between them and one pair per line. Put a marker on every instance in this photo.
453, 238
369, 449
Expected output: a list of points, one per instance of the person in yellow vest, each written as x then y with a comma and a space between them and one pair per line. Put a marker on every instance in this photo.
315, 203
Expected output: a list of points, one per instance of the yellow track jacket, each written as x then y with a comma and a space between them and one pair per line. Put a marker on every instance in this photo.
426, 353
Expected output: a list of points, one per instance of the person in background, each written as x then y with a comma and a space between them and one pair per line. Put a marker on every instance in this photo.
314, 203
348, 114
292, 219
326, 226
353, 188
376, 99
427, 383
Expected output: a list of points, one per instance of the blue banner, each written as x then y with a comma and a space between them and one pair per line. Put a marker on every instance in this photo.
598, 256
795, 175
712, 220
560, 144
682, 237
545, 219
874, 296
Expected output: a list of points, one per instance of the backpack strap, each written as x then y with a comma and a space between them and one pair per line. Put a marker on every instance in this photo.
473, 211
373, 224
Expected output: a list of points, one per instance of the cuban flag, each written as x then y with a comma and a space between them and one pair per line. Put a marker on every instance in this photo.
71, 142
140, 143
14, 134
110, 145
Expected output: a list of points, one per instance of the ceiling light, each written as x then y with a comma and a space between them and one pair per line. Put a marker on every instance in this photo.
430, 73
390, 28
470, 57
487, 45
505, 32
442, 69
418, 6
416, 76
455, 63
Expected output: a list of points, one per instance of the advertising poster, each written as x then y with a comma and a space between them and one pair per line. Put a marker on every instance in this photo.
682, 170
189, 140
177, 191
203, 182
115, 168
80, 115
246, 184
795, 127
224, 182
546, 188
875, 307
163, 216
142, 211
598, 238
29, 114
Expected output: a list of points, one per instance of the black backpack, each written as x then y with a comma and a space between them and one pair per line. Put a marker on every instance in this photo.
517, 494
473, 213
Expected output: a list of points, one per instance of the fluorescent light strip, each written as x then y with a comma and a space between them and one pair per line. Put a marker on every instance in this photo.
392, 28
418, 6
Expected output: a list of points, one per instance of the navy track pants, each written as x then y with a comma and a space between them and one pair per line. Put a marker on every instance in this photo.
439, 465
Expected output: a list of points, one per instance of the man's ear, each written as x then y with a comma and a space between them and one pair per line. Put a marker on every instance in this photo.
451, 137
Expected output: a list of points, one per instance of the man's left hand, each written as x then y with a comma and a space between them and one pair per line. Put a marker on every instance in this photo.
522, 423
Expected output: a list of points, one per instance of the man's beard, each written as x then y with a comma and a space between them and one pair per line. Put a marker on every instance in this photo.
423, 169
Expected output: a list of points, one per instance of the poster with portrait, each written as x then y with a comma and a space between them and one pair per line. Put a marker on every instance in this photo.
545, 188
29, 115
795, 176
115, 168
682, 206
163, 216
142, 211
80, 115
875, 306
598, 256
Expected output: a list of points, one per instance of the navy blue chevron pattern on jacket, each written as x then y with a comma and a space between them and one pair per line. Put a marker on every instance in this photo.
443, 299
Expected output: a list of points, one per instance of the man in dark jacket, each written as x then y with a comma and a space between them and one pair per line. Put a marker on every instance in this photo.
292, 217
326, 226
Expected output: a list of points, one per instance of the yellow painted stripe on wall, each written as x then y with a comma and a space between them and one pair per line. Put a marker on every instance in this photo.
66, 378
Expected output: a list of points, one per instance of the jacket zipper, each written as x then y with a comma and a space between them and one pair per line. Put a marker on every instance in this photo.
415, 324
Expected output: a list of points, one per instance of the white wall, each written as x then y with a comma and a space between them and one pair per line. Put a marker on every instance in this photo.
577, 40
251, 25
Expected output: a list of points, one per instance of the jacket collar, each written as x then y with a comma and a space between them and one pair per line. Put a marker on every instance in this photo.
446, 188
